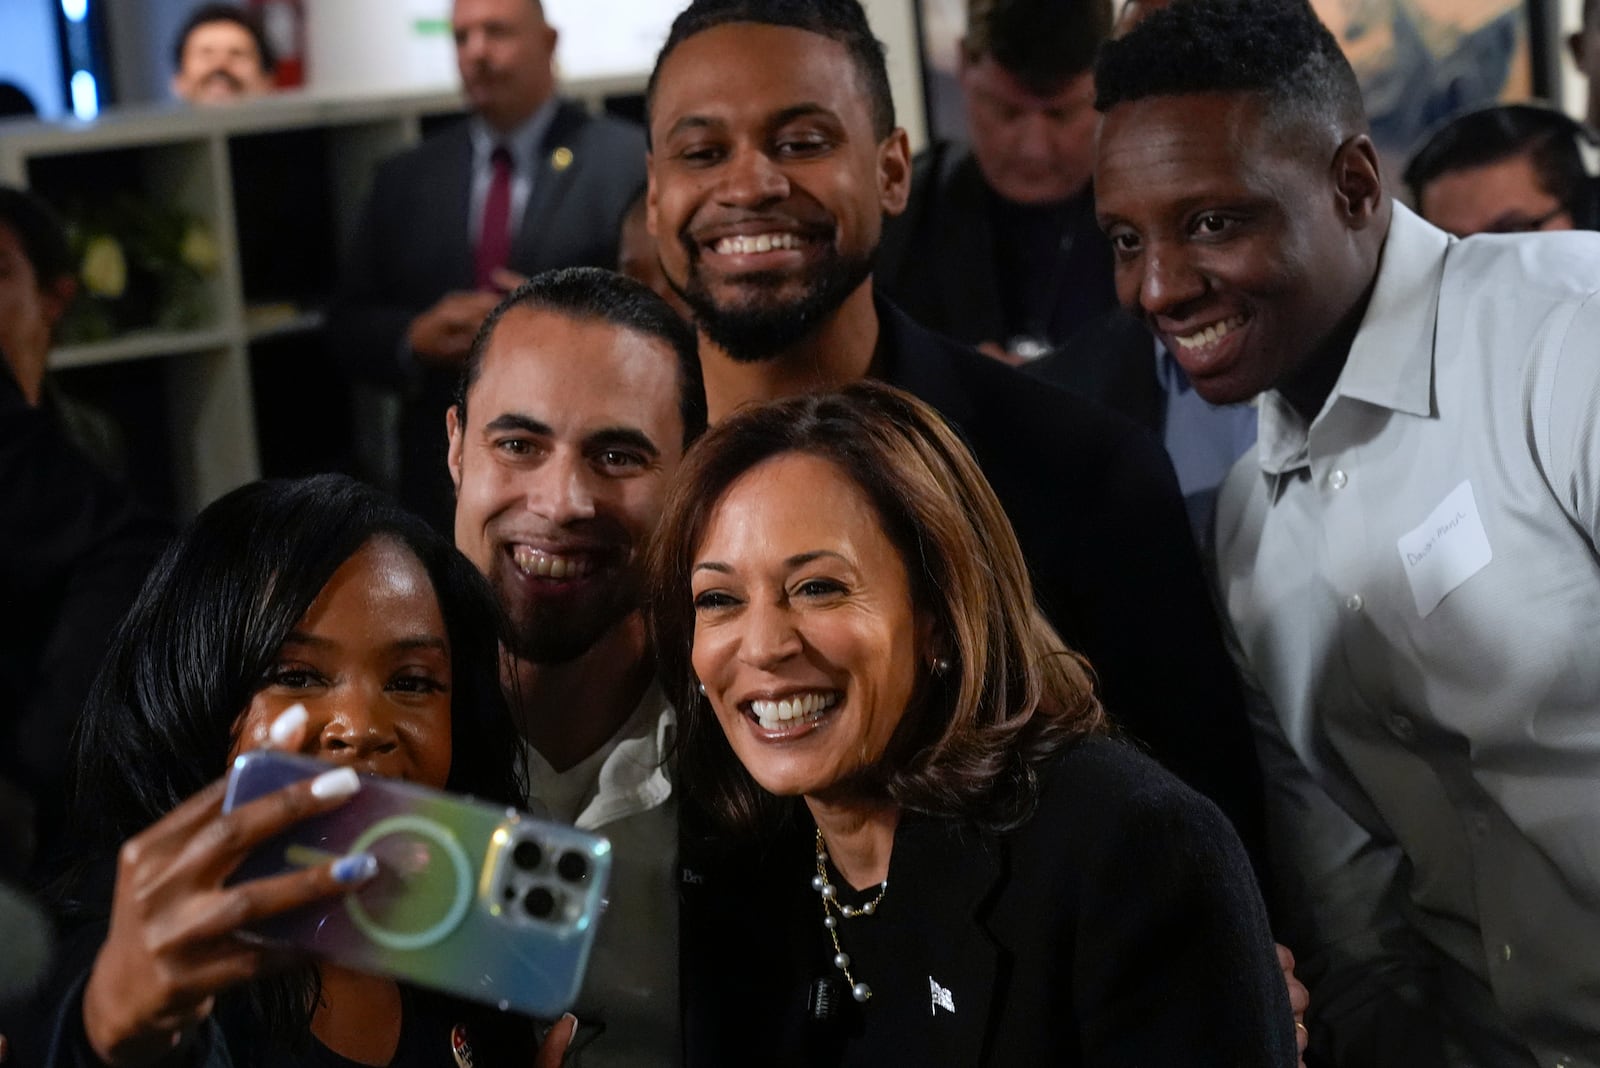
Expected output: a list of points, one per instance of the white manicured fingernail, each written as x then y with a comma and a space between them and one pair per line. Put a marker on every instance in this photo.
341, 782
286, 726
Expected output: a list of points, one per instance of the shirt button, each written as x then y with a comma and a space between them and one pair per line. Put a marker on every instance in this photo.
1354, 602
1505, 951
1337, 480
1402, 728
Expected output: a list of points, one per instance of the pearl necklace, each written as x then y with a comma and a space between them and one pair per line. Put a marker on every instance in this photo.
830, 905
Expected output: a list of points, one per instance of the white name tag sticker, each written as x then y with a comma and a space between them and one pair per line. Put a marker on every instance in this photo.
1447, 549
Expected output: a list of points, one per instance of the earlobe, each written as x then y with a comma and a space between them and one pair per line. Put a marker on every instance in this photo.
894, 172
58, 297
456, 431
650, 194
1358, 181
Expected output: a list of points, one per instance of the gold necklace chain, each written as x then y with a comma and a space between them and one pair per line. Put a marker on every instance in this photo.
830, 905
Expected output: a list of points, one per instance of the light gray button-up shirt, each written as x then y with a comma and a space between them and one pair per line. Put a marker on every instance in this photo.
1414, 582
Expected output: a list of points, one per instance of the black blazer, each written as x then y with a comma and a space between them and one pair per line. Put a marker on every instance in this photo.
1111, 360
412, 246
74, 550
1096, 508
937, 259
1120, 926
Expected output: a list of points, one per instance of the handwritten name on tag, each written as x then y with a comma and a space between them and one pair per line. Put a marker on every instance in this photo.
1447, 549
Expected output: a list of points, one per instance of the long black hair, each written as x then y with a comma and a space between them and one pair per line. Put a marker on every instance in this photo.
206, 628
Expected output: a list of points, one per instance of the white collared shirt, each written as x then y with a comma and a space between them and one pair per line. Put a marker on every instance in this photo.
624, 791
1445, 694
523, 144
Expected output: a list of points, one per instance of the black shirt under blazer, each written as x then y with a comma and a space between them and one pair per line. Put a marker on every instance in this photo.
1119, 927
1097, 511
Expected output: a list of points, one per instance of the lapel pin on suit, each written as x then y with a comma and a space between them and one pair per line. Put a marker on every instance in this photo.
561, 158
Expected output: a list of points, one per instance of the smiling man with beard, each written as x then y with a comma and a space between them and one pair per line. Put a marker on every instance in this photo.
774, 157
222, 55
577, 401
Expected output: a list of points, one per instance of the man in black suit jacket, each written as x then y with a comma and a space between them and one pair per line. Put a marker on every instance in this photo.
774, 156
74, 549
411, 300
998, 245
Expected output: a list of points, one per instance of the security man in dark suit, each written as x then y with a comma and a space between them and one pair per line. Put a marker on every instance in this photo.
530, 182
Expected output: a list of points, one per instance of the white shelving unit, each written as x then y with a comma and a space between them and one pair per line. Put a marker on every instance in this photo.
182, 157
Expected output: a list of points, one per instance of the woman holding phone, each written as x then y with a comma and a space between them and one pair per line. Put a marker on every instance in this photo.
312, 616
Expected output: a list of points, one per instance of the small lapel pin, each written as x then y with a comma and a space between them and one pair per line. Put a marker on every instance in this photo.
460, 1046
941, 998
561, 158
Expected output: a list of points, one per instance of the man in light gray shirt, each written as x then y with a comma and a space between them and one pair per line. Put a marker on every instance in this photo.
1409, 560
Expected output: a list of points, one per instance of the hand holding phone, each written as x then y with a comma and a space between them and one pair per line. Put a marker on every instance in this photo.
168, 951
469, 898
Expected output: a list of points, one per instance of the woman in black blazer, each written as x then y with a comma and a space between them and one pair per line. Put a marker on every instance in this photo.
920, 845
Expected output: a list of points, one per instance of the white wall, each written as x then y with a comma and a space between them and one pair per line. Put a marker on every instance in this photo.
142, 36
30, 55
1574, 90
360, 46
896, 26
368, 46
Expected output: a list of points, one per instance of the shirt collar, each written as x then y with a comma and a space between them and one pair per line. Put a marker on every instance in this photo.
1390, 364
523, 142
634, 776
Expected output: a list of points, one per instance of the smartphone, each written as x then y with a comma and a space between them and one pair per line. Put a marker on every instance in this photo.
471, 899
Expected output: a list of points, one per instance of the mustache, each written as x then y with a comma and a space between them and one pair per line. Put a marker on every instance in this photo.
226, 76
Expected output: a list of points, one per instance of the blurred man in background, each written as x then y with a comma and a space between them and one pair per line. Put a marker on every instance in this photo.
529, 183
1512, 168
997, 246
222, 55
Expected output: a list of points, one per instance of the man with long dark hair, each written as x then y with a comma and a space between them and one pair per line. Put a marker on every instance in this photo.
578, 399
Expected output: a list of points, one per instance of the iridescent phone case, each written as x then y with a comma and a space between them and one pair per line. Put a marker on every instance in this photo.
470, 898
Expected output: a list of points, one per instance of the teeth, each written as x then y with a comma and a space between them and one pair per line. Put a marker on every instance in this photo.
1211, 334
774, 714
744, 244
531, 561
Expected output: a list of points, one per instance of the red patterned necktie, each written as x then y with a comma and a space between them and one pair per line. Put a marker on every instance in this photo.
494, 238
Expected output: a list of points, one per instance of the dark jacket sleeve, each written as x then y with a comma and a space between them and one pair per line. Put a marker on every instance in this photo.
1155, 640
1097, 510
74, 549
1173, 958
367, 322
69, 1045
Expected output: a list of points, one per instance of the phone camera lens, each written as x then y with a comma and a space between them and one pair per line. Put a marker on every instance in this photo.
527, 855
539, 903
574, 867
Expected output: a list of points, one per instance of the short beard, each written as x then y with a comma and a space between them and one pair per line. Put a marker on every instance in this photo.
549, 638
756, 331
